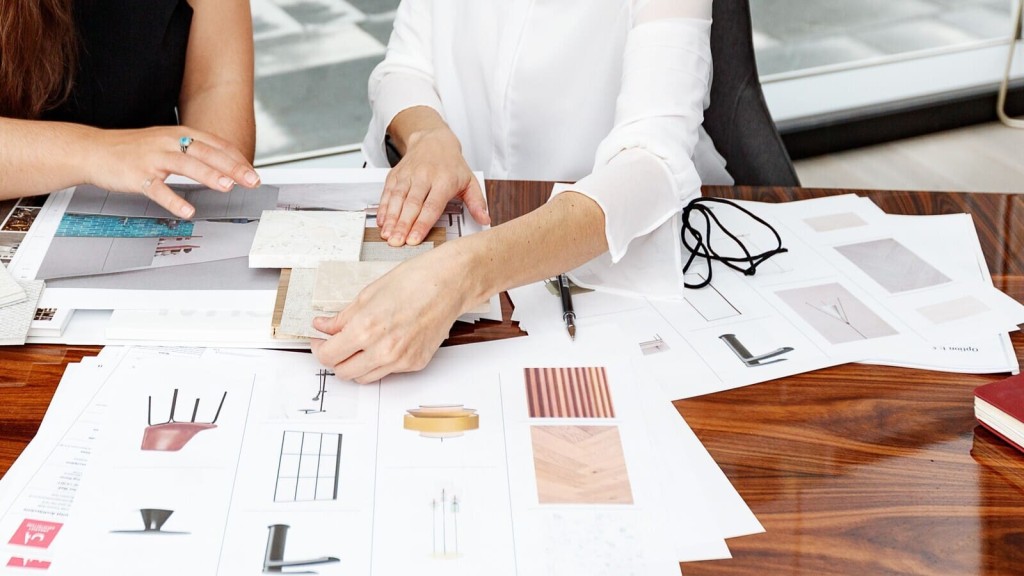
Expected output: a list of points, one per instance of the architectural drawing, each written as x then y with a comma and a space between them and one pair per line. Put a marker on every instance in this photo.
445, 524
580, 465
568, 393
751, 360
309, 467
273, 558
441, 420
153, 520
172, 435
709, 302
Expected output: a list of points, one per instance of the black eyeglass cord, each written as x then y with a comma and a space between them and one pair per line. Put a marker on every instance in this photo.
702, 247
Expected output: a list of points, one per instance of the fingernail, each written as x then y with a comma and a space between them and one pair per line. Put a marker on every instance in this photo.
396, 240
414, 238
225, 182
187, 212
318, 321
251, 177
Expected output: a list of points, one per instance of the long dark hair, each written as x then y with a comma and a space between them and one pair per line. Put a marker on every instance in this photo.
38, 49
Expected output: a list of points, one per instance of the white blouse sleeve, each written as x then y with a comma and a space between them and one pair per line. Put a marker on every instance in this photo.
644, 171
405, 78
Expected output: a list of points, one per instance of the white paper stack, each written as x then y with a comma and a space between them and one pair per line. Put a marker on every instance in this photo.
520, 457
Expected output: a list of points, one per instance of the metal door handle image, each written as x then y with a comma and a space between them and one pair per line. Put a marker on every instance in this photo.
749, 359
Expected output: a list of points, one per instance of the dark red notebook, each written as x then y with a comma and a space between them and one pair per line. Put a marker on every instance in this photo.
999, 406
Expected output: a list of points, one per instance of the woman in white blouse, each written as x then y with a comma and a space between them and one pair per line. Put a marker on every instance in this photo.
607, 93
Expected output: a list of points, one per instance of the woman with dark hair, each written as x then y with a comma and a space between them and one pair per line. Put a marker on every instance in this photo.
122, 94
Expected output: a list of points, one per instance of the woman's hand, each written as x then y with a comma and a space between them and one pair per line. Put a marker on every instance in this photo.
140, 160
397, 323
416, 191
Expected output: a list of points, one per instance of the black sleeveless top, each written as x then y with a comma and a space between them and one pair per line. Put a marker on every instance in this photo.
131, 61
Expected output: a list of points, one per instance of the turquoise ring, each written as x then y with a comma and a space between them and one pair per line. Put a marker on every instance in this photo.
185, 142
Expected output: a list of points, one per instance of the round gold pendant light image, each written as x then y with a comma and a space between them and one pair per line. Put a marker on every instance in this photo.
441, 420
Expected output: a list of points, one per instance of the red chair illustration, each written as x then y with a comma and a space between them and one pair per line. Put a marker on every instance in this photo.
172, 435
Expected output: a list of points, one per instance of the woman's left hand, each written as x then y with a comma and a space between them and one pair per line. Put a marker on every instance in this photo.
397, 323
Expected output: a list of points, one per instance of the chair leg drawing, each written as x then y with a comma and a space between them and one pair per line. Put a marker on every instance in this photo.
171, 436
749, 359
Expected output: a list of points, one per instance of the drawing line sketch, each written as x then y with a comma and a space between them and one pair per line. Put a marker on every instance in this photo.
153, 520
172, 435
892, 265
830, 222
273, 558
568, 393
580, 465
835, 313
309, 467
711, 304
445, 525
750, 360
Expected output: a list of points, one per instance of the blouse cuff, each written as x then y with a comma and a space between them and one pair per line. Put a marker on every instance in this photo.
389, 95
636, 192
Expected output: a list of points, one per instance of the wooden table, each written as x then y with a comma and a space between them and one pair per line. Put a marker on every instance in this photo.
852, 470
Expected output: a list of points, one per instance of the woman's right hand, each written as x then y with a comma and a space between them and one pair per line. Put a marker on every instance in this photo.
417, 189
140, 160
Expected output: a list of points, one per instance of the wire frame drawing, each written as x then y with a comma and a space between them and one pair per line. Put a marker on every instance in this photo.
445, 524
309, 467
653, 346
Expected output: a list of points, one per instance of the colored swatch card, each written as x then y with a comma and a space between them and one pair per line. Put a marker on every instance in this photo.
15, 319
338, 283
303, 239
10, 291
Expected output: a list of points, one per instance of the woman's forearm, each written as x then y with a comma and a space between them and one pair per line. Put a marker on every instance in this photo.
38, 157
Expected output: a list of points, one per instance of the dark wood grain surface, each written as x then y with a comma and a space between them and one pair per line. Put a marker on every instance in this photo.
852, 470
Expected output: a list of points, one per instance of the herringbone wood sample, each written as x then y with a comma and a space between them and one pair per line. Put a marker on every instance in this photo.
580, 465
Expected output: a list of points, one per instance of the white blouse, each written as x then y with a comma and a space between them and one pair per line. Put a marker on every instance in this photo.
608, 94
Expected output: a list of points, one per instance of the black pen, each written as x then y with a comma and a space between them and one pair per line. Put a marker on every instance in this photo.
568, 316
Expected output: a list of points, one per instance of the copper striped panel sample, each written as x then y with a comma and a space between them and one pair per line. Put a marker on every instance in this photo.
580, 465
568, 393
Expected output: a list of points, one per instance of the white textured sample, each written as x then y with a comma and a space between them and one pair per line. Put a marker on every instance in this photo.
10, 291
297, 315
16, 319
299, 239
338, 283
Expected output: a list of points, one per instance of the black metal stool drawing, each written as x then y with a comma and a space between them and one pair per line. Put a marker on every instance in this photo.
748, 359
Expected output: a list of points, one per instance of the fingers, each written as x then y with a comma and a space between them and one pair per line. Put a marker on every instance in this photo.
409, 210
227, 161
394, 186
477, 204
158, 192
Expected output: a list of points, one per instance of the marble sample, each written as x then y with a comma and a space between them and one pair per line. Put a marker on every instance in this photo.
297, 313
303, 239
338, 283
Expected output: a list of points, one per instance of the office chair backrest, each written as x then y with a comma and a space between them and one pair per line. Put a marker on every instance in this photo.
738, 120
